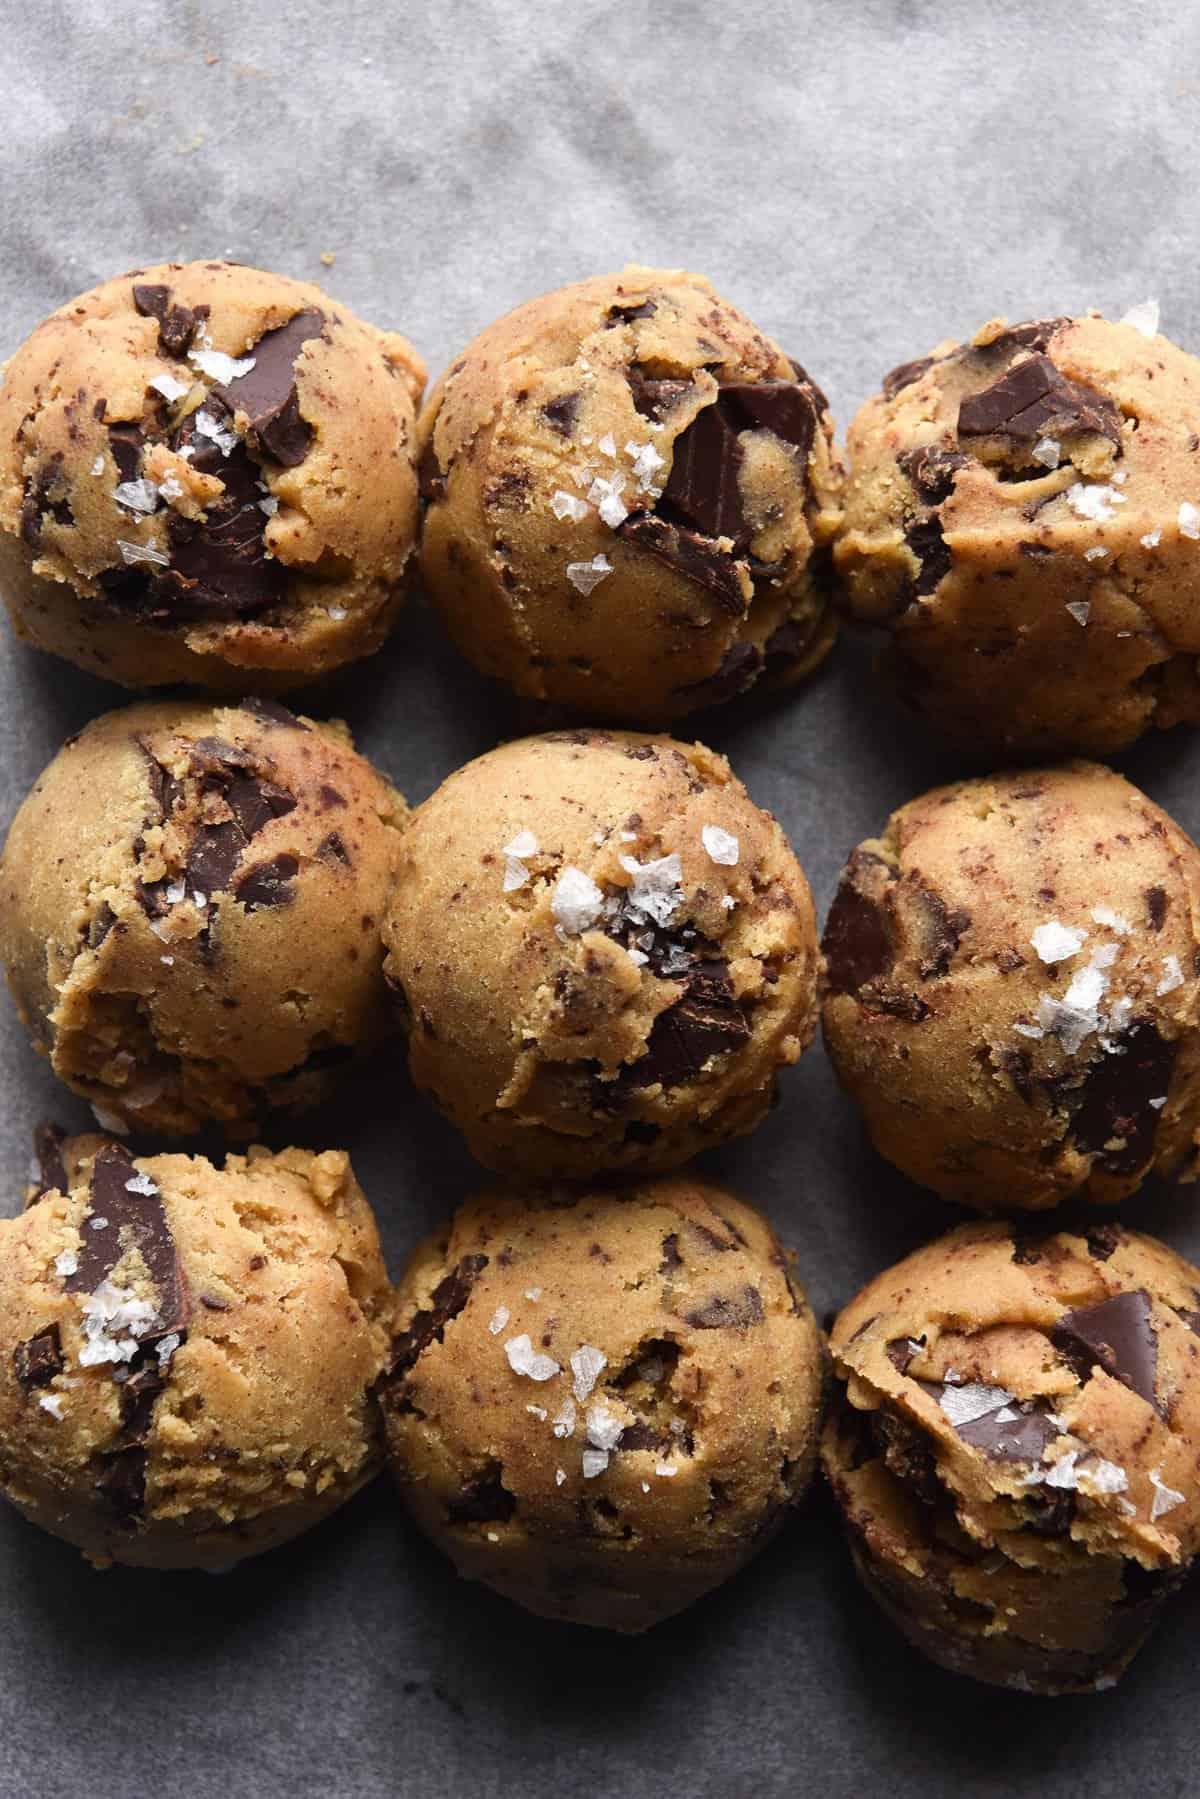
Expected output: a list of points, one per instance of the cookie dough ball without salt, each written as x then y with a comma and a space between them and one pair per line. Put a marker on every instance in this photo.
190, 901
1015, 1457
187, 1353
1024, 518
1012, 989
605, 952
207, 475
602, 1404
630, 498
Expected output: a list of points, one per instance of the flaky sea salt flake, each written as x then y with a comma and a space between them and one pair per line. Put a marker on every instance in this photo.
577, 902
603, 1427
1151, 540
666, 1470
1047, 451
1114, 921
655, 892
1080, 610
52, 1403
584, 576
563, 1422
66, 1264
141, 552
1189, 519
524, 1359
1055, 942
1143, 317
1172, 976
1165, 1498
962, 1405
565, 505
170, 389
498, 1320
593, 1462
587, 1364
721, 846
219, 367
1094, 501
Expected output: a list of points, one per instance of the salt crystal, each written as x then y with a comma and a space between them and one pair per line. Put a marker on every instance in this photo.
1086, 990
50, 1402
1093, 555
112, 1323
603, 1427
565, 505
1104, 1476
524, 1359
606, 445
1062, 1474
98, 466
1165, 1498
586, 575
665, 1470
212, 428
219, 367
1104, 955
499, 1319
594, 1462
533, 1292
1158, 1104
1055, 942
1172, 975
1029, 1030
1114, 920
1080, 610
728, 902
722, 846
199, 900
166, 1349
638, 957
66, 1264
523, 844
515, 875
1189, 519
586, 1366
170, 489
645, 1486
1152, 539
141, 552
1047, 451
1143, 317
98, 1224
560, 1475
646, 462
271, 506
577, 902
170, 389
175, 892
962, 1405
141, 1183
605, 496
1094, 502
539, 1412
656, 893
564, 1419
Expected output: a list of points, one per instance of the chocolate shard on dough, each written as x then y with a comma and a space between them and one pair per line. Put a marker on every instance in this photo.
448, 1299
136, 1220
1034, 399
38, 1360
905, 374
1118, 1337
176, 324
727, 1311
706, 1021
932, 471
689, 553
266, 393
703, 488
1113, 1104
858, 941
268, 884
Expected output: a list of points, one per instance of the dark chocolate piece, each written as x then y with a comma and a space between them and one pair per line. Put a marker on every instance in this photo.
1030, 334
425, 1327
943, 931
560, 413
926, 539
176, 324
215, 852
1118, 1336
932, 471
1034, 399
37, 502
625, 315
271, 712
267, 392
38, 1359
706, 1021
135, 1221
736, 671
727, 1311
654, 395
1114, 1100
126, 443
688, 554
905, 374
1156, 907
703, 489
1023, 1438
122, 1484
267, 884
48, 1140
858, 941
220, 567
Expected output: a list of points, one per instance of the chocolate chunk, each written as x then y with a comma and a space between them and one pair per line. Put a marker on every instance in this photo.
272, 713
1156, 907
652, 395
932, 471
905, 374
942, 932
707, 1021
1032, 400
268, 884
625, 315
123, 1484
135, 1221
927, 542
671, 1258
484, 1500
1016, 1065
1020, 1438
176, 324
907, 1454
805, 379
267, 392
333, 849
38, 1359
858, 941
1114, 1100
48, 1140
735, 672
37, 502
703, 489
255, 802
139, 1395
165, 790
425, 1327
1118, 1336
641, 1435
220, 567
1030, 334
727, 1311
901, 1351
788, 644
1102, 1240
215, 852
126, 443
560, 413
100, 926
897, 1002
689, 554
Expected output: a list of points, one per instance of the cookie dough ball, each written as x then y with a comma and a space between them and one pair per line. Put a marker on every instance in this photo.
1023, 517
190, 904
602, 1404
605, 951
207, 475
187, 1353
1012, 993
1015, 1457
630, 497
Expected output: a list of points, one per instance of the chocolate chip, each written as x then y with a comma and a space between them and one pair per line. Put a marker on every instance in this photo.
905, 374
215, 852
38, 502
932, 471
255, 802
1156, 907
176, 324
706, 1021
703, 489
727, 1311
927, 542
1030, 334
38, 1359
272, 713
425, 1327
1022, 1438
1102, 1240
1114, 1100
561, 412
135, 1221
1034, 399
788, 644
652, 396
267, 392
100, 926
689, 554
858, 941
907, 1454
671, 1258
48, 1140
1016, 1065
641, 1435
1118, 1336
332, 849
625, 315
484, 1500
901, 1352
268, 884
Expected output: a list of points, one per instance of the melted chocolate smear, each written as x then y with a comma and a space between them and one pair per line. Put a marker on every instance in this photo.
268, 884
135, 1221
1118, 1336
267, 392
48, 1140
1034, 400
858, 941
449, 1297
484, 1500
707, 1021
1114, 1101
690, 554
38, 1360
932, 471
176, 324
727, 1311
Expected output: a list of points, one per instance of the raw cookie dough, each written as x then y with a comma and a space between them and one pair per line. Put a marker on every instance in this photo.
605, 952
1012, 993
1024, 518
187, 1353
207, 474
1016, 1463
190, 906
602, 1404
630, 497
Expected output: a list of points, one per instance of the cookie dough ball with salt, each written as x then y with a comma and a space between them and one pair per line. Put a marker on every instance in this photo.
1023, 518
630, 497
207, 474
1015, 1452
187, 1353
601, 1404
1013, 995
605, 952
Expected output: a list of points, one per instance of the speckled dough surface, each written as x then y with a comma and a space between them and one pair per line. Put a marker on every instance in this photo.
207, 475
190, 906
1017, 1459
602, 1404
1012, 991
1024, 517
606, 951
630, 497
187, 1353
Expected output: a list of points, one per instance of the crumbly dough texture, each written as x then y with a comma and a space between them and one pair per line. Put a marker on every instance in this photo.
187, 1353
1023, 516
1016, 1456
603, 1403
630, 496
190, 907
1012, 989
168, 515
608, 995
